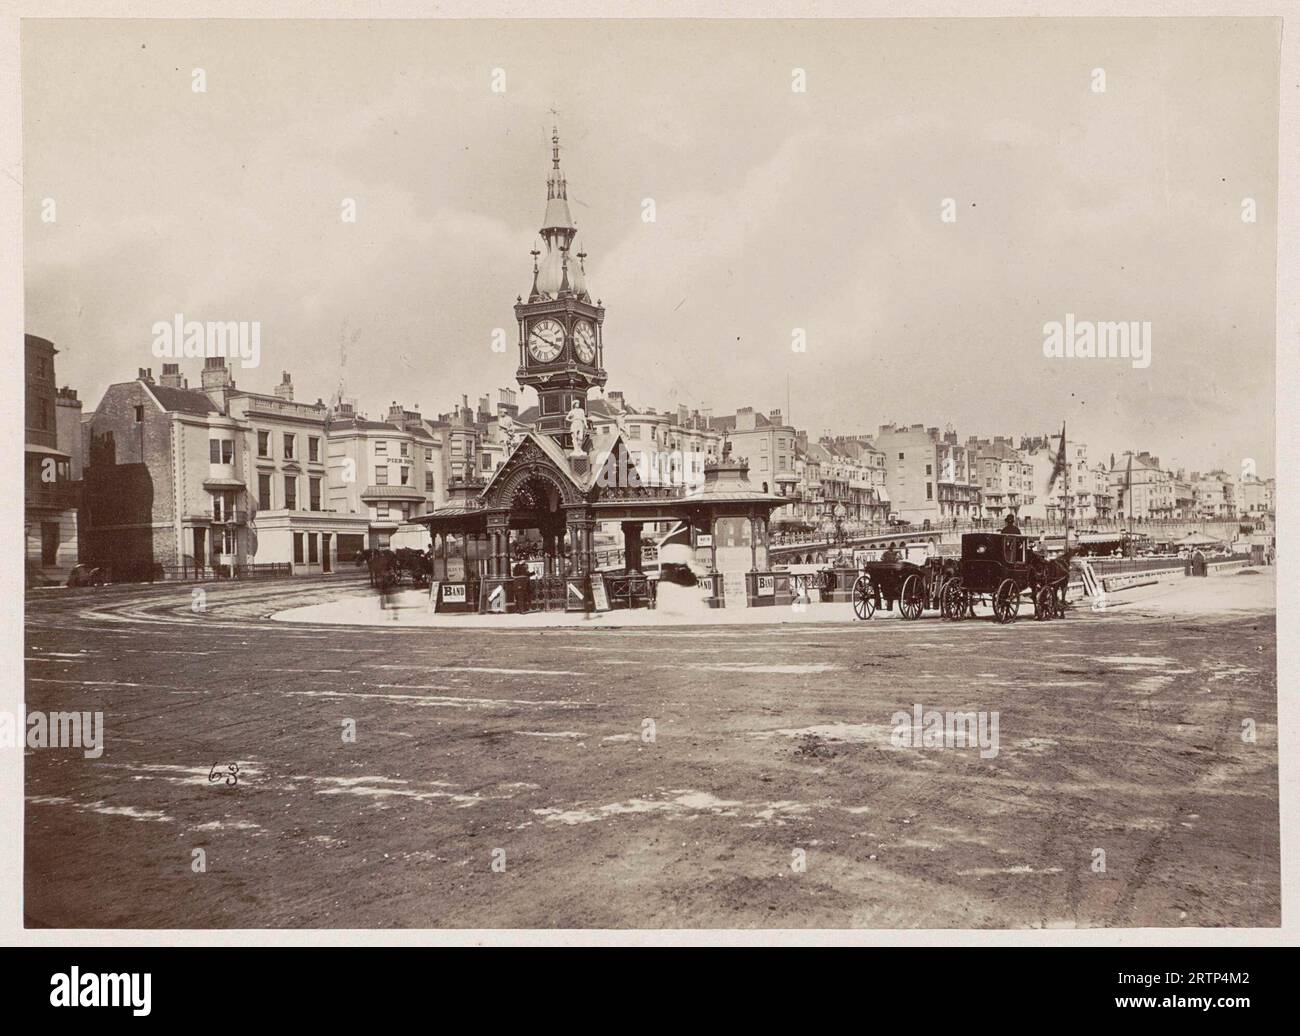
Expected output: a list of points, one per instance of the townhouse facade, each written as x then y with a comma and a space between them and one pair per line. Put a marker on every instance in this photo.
290, 519
1216, 494
765, 441
1142, 488
52, 465
1103, 494
1005, 477
474, 441
1184, 496
1077, 481
165, 474
1256, 496
385, 472
861, 463
218, 478
929, 475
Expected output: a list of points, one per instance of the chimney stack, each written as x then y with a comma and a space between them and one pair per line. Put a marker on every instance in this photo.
216, 381
171, 376
284, 390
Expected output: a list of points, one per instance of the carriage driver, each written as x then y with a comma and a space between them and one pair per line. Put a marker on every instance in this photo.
1011, 528
890, 554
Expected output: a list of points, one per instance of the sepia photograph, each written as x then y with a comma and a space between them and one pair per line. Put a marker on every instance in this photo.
666, 475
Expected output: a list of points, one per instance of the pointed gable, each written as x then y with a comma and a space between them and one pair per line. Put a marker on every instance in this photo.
615, 457
533, 454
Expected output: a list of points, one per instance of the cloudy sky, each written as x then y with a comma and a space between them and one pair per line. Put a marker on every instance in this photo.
775, 210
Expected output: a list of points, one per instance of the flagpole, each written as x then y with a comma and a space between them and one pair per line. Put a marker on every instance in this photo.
1067, 487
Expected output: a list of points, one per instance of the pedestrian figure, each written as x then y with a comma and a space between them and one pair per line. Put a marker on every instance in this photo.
523, 587
386, 579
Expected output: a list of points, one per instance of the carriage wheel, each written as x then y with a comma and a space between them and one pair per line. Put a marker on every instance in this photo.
911, 601
963, 603
864, 597
945, 600
1006, 601
956, 600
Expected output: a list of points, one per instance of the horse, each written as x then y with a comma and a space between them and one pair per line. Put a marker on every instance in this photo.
1049, 578
385, 570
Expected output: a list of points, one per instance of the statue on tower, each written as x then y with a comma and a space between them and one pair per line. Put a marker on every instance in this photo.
511, 431
579, 428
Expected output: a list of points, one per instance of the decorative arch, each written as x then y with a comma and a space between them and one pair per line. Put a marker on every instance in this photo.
503, 494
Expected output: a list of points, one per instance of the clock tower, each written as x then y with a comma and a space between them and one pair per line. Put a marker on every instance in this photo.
561, 344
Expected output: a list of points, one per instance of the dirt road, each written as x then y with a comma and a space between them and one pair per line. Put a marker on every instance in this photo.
720, 776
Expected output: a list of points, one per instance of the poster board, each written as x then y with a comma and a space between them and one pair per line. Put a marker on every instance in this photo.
733, 590
598, 595
574, 599
450, 597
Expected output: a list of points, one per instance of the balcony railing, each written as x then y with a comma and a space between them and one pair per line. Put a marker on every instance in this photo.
308, 411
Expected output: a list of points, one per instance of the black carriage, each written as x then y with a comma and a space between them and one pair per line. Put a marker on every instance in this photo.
1000, 569
915, 587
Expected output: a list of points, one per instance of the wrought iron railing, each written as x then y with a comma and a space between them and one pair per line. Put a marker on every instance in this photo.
630, 591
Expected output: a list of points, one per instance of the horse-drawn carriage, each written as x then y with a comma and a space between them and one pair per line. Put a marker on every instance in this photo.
997, 569
388, 568
915, 587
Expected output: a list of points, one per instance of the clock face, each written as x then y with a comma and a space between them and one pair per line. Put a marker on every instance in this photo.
546, 339
584, 341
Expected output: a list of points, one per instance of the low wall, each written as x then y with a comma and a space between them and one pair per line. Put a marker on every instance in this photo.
1129, 573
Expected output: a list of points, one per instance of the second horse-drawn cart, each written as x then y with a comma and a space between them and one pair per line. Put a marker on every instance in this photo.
915, 587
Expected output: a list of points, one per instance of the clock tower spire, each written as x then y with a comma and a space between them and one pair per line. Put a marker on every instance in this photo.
561, 344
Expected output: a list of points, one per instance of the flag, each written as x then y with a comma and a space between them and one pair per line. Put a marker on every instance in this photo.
675, 557
1058, 465
678, 536
1127, 486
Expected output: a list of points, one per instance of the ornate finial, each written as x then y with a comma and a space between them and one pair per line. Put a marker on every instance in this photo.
555, 137
534, 293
